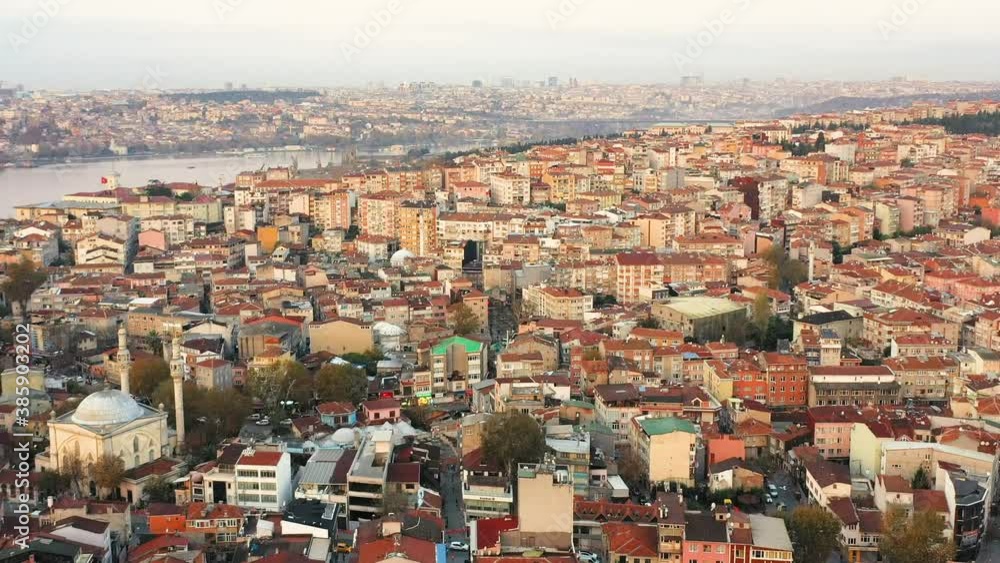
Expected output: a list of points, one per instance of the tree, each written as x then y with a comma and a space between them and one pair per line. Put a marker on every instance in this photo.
419, 417
147, 374
23, 278
761, 313
631, 469
154, 343
108, 472
72, 468
341, 383
919, 539
53, 483
648, 322
815, 532
785, 273
465, 320
511, 438
820, 142
159, 490
920, 479
274, 384
395, 501
369, 359
223, 410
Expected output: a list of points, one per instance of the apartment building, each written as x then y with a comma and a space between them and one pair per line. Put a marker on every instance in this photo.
507, 188
418, 229
557, 303
667, 447
248, 477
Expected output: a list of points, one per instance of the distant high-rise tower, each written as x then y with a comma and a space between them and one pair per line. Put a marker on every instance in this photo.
553, 82
177, 374
229, 85
124, 359
477, 83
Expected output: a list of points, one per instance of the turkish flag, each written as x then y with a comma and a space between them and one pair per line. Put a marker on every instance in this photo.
104, 179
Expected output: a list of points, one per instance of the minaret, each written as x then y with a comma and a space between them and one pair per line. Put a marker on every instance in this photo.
124, 359
177, 374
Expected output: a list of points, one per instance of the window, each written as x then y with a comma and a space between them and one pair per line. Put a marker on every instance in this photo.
267, 474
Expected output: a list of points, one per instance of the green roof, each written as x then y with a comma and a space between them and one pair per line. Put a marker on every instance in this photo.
666, 425
471, 346
578, 404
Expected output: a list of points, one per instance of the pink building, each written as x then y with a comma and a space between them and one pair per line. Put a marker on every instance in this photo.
381, 410
472, 190
706, 537
832, 429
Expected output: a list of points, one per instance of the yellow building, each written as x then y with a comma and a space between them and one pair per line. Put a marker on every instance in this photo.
418, 227
341, 336
666, 446
545, 505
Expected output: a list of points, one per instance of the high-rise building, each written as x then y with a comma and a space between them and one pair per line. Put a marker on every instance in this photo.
418, 227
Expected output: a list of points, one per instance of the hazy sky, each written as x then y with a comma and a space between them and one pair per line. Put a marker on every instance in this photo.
204, 43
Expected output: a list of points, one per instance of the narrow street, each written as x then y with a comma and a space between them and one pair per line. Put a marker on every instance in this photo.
451, 494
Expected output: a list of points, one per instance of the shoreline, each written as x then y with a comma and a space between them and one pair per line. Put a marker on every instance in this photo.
369, 152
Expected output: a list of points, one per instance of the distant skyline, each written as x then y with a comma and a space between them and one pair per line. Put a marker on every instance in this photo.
82, 45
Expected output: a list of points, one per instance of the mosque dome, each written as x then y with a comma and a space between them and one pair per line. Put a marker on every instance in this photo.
343, 436
399, 258
107, 407
387, 329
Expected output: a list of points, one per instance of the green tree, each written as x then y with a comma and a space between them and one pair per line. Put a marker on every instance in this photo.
154, 343
108, 472
147, 374
23, 278
419, 416
920, 479
919, 539
342, 383
820, 142
814, 532
159, 490
648, 322
369, 359
223, 410
511, 438
465, 320
53, 483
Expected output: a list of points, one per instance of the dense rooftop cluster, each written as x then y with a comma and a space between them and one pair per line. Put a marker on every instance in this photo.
646, 348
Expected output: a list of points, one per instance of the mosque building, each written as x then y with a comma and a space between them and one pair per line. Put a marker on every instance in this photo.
112, 422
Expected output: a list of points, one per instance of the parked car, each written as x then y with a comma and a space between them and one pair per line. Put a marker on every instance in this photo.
263, 422
587, 557
255, 416
772, 489
458, 546
343, 547
768, 499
